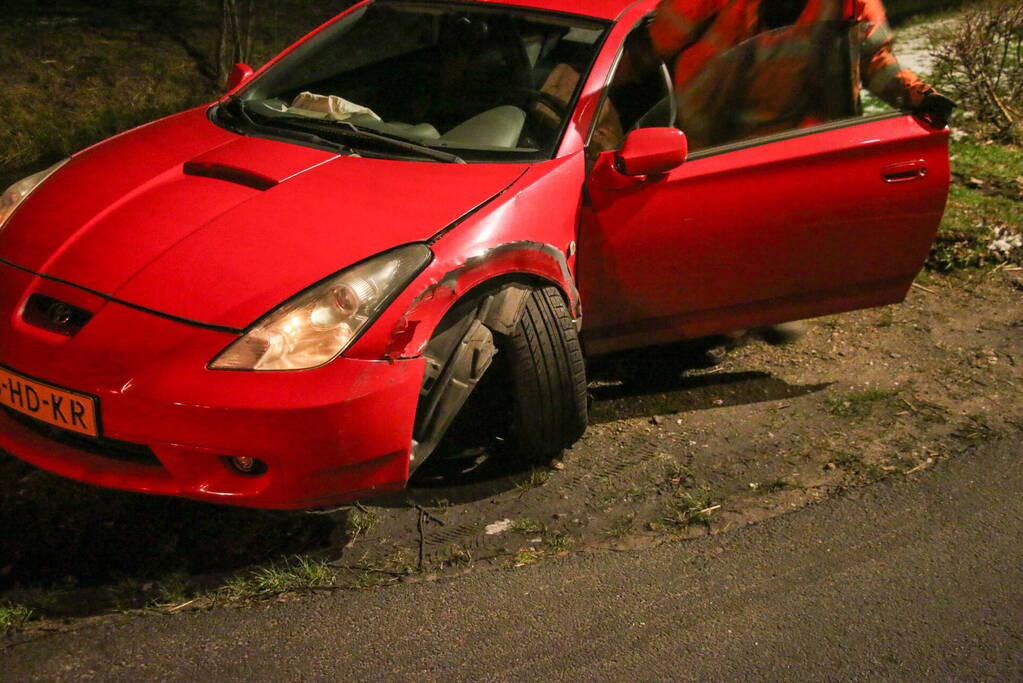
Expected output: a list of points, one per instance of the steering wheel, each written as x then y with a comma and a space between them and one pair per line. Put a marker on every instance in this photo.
540, 126
527, 97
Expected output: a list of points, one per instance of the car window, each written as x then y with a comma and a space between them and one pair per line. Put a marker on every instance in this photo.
776, 83
782, 81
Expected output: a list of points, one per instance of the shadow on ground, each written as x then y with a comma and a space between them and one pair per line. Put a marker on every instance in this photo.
473, 462
678, 378
59, 532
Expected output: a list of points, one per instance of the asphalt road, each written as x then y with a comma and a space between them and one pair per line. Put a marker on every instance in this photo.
915, 578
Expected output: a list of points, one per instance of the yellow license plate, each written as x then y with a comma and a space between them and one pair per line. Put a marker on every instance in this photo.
50, 404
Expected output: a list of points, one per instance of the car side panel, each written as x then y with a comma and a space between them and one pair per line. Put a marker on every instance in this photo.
798, 227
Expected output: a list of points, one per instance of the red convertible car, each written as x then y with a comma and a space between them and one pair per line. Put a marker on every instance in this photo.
283, 299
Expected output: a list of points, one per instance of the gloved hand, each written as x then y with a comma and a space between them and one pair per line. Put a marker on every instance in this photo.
936, 109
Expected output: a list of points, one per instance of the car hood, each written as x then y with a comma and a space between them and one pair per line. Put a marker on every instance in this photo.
187, 219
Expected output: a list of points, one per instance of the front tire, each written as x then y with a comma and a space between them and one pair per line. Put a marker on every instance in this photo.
547, 378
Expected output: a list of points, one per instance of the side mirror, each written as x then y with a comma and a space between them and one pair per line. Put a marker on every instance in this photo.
239, 74
651, 152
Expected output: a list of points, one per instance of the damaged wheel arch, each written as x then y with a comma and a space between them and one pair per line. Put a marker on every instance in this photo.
407, 327
525, 320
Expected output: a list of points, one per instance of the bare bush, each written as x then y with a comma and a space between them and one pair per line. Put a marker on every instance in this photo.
979, 61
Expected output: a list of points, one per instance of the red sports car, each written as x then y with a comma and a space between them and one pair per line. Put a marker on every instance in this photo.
284, 298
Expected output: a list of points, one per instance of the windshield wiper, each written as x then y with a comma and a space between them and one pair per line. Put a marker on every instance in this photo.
236, 107
350, 130
402, 143
298, 130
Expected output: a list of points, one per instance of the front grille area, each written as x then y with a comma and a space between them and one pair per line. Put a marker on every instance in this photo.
113, 449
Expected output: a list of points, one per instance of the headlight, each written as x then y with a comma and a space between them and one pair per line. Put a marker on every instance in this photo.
19, 191
316, 326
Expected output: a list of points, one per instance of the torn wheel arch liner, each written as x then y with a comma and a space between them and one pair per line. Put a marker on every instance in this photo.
465, 343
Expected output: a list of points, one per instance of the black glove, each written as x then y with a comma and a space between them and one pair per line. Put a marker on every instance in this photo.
935, 109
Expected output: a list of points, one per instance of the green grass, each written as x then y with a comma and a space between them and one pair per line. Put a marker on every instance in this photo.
691, 507
526, 557
456, 555
903, 13
74, 75
557, 541
536, 478
779, 484
976, 215
528, 526
885, 319
13, 617
292, 575
1000, 163
360, 522
857, 404
68, 87
622, 526
553, 541
972, 222
172, 590
38, 599
968, 208
401, 562
674, 471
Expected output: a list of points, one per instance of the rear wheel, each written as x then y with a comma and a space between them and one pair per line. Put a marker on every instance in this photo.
546, 377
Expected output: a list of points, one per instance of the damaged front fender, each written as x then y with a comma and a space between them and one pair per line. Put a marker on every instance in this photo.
527, 233
409, 335
476, 288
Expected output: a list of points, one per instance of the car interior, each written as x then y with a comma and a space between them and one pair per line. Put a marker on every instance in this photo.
466, 79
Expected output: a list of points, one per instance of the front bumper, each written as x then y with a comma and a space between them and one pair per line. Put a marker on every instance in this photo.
327, 435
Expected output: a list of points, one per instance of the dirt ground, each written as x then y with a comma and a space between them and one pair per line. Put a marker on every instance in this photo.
675, 447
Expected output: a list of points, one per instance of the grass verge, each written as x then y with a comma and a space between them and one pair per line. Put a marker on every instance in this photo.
68, 87
983, 223
297, 574
691, 507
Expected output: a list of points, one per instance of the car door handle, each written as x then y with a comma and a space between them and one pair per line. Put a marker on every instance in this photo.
904, 172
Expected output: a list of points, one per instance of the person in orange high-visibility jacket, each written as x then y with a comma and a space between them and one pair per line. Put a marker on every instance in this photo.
747, 68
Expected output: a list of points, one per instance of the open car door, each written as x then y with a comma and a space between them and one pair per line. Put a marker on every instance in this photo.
817, 211
832, 219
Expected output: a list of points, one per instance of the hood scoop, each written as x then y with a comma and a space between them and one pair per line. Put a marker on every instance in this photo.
231, 174
256, 163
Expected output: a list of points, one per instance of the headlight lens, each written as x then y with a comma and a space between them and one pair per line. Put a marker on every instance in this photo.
19, 191
316, 326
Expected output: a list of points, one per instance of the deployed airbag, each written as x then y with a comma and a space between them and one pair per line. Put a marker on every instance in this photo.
330, 107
